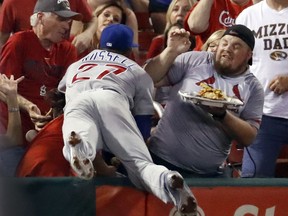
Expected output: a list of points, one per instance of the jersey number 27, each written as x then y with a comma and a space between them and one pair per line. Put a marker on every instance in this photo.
88, 71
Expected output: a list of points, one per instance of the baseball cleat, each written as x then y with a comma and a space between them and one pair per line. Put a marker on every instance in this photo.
181, 194
81, 165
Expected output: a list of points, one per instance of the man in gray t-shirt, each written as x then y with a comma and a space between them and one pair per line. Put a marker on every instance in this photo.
197, 138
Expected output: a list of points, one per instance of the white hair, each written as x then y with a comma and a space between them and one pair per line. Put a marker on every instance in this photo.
34, 18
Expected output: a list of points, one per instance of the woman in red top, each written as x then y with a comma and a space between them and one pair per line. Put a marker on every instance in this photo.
175, 14
208, 16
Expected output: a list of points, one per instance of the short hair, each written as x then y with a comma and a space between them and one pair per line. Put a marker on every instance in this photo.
34, 18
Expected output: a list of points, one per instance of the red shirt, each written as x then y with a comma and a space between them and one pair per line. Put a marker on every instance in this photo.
156, 46
15, 14
44, 155
223, 14
23, 55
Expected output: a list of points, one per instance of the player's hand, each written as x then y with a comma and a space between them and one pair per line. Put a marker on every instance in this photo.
279, 85
178, 40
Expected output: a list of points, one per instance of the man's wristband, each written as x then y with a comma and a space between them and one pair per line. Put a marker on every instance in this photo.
13, 109
220, 117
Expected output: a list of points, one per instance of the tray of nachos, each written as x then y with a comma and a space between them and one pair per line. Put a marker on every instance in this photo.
209, 96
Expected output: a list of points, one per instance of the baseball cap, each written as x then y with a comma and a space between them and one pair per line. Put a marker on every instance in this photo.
244, 34
117, 37
59, 7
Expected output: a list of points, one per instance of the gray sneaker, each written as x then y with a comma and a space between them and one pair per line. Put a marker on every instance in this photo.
181, 194
81, 165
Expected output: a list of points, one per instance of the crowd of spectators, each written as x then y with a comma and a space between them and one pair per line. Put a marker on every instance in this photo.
39, 43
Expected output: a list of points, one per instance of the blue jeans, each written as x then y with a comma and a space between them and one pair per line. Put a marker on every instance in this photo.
9, 159
260, 157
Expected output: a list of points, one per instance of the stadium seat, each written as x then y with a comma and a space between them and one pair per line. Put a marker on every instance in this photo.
234, 160
281, 170
144, 21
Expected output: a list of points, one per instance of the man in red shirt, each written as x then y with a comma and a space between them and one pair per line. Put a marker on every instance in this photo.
14, 17
42, 56
208, 16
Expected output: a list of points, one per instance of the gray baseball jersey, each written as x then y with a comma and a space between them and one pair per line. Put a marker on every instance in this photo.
102, 91
187, 136
99, 87
103, 69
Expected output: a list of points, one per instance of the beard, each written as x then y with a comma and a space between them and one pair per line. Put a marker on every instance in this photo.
226, 69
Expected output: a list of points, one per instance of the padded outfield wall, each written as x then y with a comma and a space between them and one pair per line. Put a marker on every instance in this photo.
117, 196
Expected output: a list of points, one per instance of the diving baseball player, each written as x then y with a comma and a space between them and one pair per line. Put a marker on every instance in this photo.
108, 97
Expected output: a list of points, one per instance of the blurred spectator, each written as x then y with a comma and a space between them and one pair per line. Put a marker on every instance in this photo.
211, 44
139, 5
103, 8
106, 14
8, 94
43, 157
268, 21
177, 11
42, 55
13, 137
175, 14
157, 10
207, 16
132, 4
14, 17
